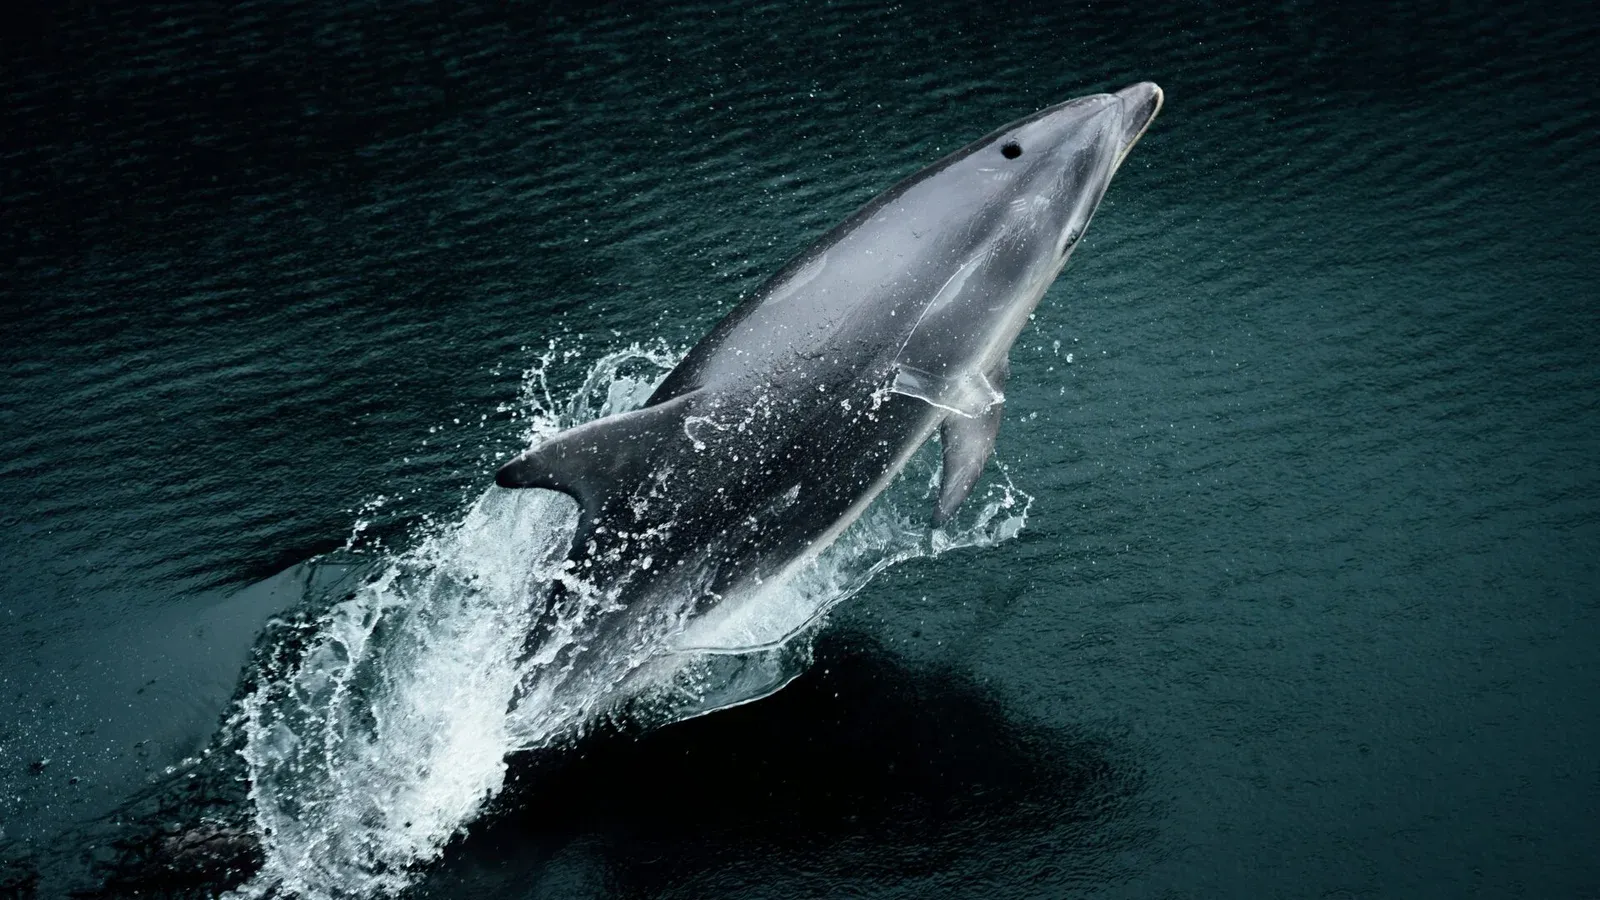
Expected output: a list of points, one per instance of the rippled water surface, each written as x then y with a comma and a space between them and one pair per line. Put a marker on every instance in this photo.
1307, 598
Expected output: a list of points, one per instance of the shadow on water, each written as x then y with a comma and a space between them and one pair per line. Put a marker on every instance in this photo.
867, 770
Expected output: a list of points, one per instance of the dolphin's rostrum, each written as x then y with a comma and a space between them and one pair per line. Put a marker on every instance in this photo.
783, 424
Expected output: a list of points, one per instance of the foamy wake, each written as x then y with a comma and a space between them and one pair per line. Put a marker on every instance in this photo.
384, 737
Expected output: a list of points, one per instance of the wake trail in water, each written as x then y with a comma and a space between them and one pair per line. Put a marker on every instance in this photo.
386, 730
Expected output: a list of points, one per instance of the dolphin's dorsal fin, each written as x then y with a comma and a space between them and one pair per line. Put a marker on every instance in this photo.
967, 442
600, 461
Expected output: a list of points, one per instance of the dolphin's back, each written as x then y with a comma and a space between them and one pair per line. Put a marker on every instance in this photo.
856, 290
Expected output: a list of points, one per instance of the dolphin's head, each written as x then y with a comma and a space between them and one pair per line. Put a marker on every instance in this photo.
1046, 173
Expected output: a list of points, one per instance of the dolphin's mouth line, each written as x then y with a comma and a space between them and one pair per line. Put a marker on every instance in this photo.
1068, 242
1161, 97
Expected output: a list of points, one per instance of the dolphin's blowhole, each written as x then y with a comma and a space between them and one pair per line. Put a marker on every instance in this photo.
1011, 150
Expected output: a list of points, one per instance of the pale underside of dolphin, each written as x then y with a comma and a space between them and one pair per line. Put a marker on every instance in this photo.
781, 426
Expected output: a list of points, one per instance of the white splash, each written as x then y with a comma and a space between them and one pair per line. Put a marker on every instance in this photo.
386, 736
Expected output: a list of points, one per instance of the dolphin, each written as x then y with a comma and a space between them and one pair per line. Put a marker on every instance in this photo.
779, 428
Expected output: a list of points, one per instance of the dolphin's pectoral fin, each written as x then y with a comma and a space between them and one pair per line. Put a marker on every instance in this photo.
967, 442
599, 461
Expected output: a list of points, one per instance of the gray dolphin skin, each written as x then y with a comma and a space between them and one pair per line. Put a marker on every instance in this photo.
780, 427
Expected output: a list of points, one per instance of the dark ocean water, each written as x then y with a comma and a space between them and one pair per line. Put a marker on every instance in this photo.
1308, 600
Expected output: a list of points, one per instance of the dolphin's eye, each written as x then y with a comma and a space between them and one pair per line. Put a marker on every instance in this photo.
1011, 150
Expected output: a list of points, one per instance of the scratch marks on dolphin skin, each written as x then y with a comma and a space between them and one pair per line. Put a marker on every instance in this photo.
969, 394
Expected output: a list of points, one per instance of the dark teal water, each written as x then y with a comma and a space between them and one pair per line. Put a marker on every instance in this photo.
1309, 598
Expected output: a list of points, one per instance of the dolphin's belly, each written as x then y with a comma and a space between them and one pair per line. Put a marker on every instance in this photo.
831, 479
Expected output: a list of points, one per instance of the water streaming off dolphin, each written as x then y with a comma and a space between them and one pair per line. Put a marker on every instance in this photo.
389, 731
